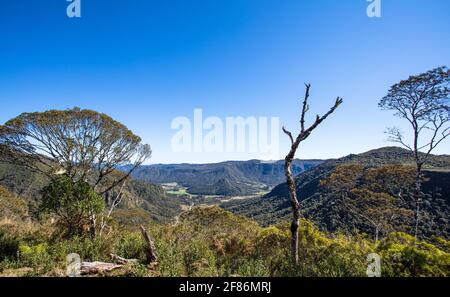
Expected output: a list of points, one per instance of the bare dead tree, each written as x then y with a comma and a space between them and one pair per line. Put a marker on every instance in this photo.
303, 135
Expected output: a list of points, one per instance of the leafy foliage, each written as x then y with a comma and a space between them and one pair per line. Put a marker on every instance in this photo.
74, 141
403, 256
72, 202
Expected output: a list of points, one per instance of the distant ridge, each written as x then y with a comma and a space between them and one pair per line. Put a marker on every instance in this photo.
225, 178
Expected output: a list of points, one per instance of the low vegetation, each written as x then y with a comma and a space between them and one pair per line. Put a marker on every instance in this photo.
208, 241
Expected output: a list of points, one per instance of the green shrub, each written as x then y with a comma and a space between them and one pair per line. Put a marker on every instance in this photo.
403, 256
130, 246
98, 249
72, 202
198, 259
192, 249
170, 258
36, 257
254, 268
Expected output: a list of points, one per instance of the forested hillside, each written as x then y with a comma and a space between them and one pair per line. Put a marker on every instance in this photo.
139, 197
325, 209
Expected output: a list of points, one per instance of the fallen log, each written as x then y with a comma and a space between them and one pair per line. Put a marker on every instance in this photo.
98, 267
120, 260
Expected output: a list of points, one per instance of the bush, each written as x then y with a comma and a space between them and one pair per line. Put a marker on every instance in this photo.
98, 249
198, 259
9, 246
71, 202
36, 257
170, 261
403, 256
130, 246
192, 249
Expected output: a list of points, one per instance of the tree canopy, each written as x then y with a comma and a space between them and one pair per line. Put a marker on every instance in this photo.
82, 144
424, 101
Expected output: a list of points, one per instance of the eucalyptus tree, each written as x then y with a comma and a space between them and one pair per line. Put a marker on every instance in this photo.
423, 101
84, 145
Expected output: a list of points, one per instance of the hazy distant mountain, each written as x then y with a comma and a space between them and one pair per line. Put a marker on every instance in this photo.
225, 178
275, 206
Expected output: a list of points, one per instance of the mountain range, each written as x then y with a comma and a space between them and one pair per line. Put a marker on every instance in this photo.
230, 178
146, 200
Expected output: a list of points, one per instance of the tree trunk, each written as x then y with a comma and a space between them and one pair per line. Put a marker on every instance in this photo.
98, 267
294, 230
418, 198
93, 226
295, 209
377, 231
304, 134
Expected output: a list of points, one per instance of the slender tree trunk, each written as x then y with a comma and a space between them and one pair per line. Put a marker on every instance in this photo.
377, 231
116, 201
93, 226
295, 208
418, 198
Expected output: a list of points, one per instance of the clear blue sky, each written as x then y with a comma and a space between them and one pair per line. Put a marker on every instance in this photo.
145, 62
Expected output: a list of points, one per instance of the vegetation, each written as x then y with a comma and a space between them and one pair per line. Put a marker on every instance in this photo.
73, 203
11, 206
84, 145
208, 241
139, 197
377, 195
